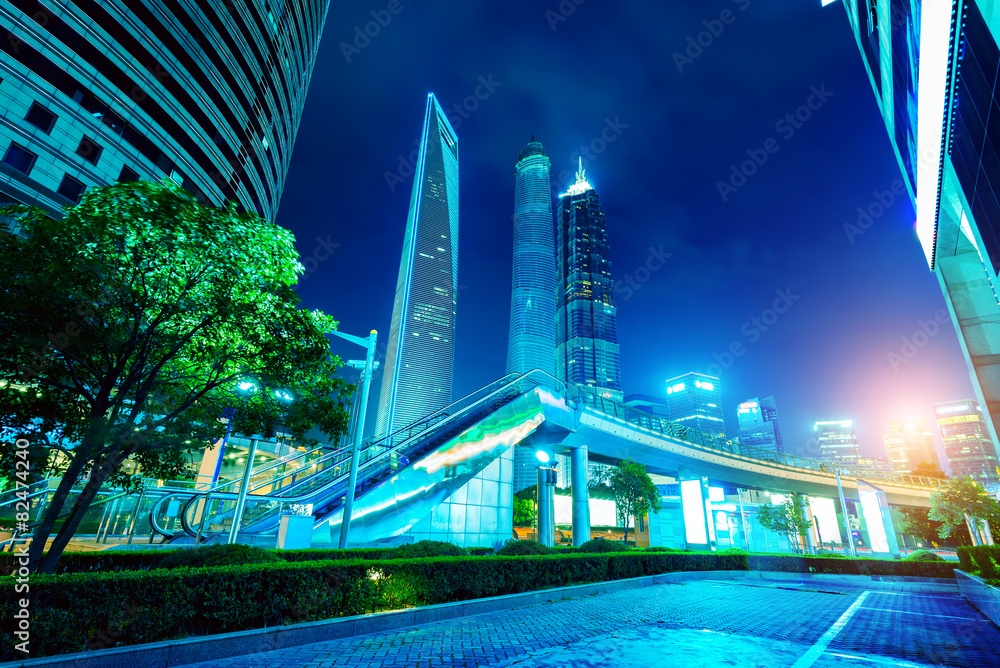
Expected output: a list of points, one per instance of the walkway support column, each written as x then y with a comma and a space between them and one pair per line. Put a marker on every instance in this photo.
546, 505
581, 495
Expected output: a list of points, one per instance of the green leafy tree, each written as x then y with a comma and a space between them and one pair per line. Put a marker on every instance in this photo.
524, 512
136, 322
928, 470
962, 498
635, 493
917, 521
787, 518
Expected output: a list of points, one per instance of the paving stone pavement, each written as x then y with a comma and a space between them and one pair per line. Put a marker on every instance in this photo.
738, 624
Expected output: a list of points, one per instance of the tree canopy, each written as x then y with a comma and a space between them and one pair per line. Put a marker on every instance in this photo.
635, 493
962, 498
787, 518
136, 322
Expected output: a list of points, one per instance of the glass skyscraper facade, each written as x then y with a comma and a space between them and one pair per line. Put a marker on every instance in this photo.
934, 68
531, 342
418, 365
967, 443
837, 441
695, 401
908, 444
758, 424
206, 94
587, 351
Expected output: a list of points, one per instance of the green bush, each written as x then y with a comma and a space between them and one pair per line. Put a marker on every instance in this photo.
825, 564
922, 555
660, 548
732, 550
832, 555
208, 556
981, 559
428, 548
480, 551
599, 545
519, 548
965, 559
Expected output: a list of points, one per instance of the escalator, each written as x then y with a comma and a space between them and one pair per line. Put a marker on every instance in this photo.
400, 477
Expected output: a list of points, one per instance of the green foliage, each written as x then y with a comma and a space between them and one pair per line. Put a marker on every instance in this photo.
524, 512
983, 560
635, 493
732, 550
600, 545
829, 564
480, 551
787, 518
210, 556
515, 548
961, 497
660, 548
129, 325
428, 548
922, 555
917, 522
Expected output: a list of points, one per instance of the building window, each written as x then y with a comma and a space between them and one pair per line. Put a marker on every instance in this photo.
89, 150
71, 189
40, 117
128, 175
20, 158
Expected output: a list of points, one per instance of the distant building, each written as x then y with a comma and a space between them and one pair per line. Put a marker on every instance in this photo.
837, 441
908, 444
877, 464
695, 401
587, 351
758, 424
967, 443
421, 350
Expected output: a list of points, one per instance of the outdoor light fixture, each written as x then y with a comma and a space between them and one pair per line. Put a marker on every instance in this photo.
543, 456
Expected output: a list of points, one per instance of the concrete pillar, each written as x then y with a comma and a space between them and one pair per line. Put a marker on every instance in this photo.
807, 514
546, 506
581, 495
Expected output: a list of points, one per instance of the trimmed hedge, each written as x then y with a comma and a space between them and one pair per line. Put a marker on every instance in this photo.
984, 559
599, 545
73, 612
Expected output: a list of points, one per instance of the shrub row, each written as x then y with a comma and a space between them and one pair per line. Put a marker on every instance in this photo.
984, 559
73, 612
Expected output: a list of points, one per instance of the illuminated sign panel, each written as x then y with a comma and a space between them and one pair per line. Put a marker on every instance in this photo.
871, 507
694, 512
825, 513
716, 494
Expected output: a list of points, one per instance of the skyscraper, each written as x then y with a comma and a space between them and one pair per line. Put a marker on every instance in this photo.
933, 66
967, 443
531, 342
695, 401
837, 441
206, 94
587, 351
758, 419
908, 444
418, 366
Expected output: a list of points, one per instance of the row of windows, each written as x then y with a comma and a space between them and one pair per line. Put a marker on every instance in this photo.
22, 160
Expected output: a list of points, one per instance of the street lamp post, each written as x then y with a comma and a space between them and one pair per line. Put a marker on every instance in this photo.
369, 343
843, 505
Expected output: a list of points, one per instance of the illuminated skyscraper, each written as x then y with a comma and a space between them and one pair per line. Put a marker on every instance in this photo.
587, 351
759, 424
531, 343
933, 66
837, 441
695, 400
967, 443
908, 444
418, 367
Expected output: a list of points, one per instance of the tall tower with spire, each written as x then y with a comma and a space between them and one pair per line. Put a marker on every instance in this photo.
587, 351
531, 342
418, 363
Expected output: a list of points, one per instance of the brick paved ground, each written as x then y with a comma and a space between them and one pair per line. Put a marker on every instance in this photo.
756, 623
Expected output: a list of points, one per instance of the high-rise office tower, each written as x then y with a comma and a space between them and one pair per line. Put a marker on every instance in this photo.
418, 362
206, 94
587, 351
837, 441
940, 110
908, 444
758, 420
695, 401
531, 342
967, 443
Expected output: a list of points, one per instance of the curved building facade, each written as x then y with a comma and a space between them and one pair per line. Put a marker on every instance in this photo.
206, 94
531, 343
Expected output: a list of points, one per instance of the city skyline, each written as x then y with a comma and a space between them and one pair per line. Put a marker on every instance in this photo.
699, 277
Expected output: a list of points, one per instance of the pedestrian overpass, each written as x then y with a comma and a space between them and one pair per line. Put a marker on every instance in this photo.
449, 475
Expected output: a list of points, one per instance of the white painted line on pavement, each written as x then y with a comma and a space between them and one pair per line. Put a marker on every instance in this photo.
814, 652
879, 660
926, 614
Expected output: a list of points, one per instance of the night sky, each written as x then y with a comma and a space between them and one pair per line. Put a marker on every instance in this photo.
676, 125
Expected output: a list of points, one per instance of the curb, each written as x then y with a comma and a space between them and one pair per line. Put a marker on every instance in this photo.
169, 653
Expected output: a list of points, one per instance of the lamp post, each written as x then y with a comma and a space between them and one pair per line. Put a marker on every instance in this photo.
369, 343
843, 505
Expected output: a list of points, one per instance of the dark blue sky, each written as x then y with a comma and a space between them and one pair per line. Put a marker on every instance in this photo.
677, 127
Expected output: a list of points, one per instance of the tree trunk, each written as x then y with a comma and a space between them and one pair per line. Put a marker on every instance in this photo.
44, 529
